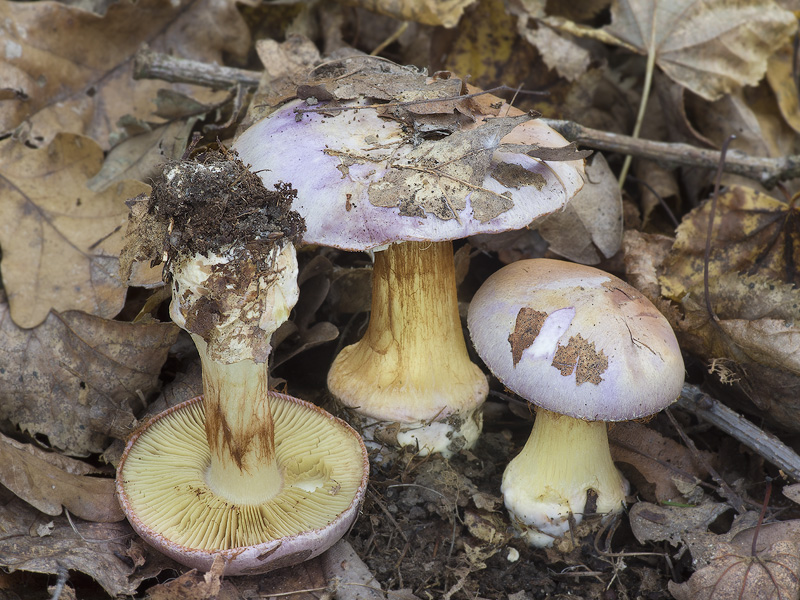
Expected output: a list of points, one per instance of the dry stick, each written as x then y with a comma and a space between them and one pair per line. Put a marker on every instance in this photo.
726, 490
767, 171
759, 441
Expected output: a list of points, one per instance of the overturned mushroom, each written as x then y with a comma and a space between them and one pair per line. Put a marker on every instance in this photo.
263, 479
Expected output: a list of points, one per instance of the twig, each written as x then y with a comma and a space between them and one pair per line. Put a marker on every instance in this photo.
62, 580
768, 171
726, 490
759, 441
155, 65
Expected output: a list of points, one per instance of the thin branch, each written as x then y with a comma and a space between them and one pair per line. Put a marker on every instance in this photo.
155, 65
759, 441
767, 171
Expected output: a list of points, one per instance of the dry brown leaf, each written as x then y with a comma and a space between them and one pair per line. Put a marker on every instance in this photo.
74, 377
711, 47
104, 551
752, 233
28, 472
658, 460
590, 226
196, 586
75, 67
60, 240
773, 574
142, 156
782, 82
428, 12
654, 523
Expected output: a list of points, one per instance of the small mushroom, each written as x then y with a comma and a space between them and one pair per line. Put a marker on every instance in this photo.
584, 347
373, 180
262, 479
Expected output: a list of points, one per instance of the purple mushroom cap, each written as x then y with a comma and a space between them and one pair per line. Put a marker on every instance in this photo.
576, 341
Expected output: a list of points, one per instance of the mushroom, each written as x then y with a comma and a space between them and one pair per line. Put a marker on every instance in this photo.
584, 347
260, 478
372, 179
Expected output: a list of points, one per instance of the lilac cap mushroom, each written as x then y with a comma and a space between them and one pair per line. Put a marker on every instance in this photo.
584, 347
368, 182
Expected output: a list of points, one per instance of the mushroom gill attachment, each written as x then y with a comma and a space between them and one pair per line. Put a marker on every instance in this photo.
163, 486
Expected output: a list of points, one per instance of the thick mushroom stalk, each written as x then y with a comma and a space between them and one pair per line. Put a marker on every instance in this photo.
411, 368
563, 459
245, 308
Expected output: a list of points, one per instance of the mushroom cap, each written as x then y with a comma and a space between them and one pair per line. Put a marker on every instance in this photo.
576, 341
162, 490
365, 181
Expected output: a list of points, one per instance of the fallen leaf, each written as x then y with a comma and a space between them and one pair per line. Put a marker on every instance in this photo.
710, 47
26, 471
101, 550
782, 82
60, 240
75, 67
590, 226
196, 586
658, 460
753, 233
654, 523
771, 574
142, 156
74, 377
428, 12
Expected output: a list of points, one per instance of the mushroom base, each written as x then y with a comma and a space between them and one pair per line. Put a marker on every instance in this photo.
446, 437
162, 488
551, 478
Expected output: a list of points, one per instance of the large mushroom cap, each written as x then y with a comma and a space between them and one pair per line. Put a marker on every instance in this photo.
163, 490
365, 180
576, 341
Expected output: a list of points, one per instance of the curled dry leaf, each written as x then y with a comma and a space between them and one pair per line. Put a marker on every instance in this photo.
781, 80
773, 574
196, 586
74, 377
428, 12
711, 47
60, 240
590, 226
73, 68
104, 551
26, 471
654, 523
659, 461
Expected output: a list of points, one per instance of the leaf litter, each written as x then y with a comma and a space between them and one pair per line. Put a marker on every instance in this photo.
76, 371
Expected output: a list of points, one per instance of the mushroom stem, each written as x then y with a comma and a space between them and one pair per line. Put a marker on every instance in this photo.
239, 429
562, 460
412, 367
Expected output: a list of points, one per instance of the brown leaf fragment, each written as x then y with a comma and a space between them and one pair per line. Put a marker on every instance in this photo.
658, 460
753, 233
60, 240
654, 523
773, 574
196, 586
75, 67
27, 472
581, 357
710, 47
526, 329
74, 377
590, 226
100, 550
779, 76
428, 12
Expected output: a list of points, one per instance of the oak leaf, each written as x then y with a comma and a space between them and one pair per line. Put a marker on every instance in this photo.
72, 69
74, 377
60, 240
